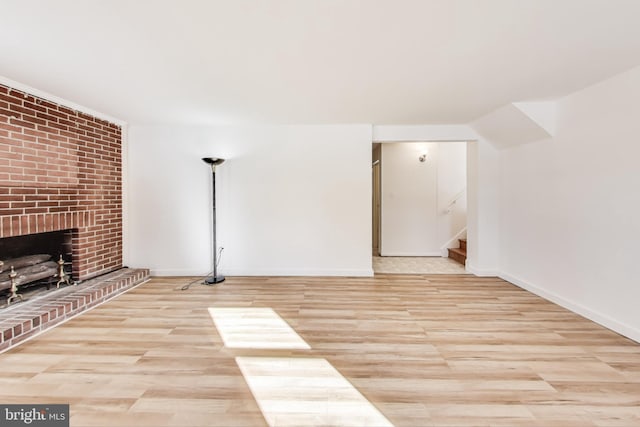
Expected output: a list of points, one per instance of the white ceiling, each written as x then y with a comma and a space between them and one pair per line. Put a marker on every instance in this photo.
313, 61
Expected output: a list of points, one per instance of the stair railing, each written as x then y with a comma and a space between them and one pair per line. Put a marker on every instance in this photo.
453, 201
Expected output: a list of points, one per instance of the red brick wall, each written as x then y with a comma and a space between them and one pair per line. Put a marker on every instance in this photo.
61, 169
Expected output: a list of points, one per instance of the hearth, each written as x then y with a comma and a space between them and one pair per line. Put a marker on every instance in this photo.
19, 322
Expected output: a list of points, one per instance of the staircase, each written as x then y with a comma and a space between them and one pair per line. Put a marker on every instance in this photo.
459, 254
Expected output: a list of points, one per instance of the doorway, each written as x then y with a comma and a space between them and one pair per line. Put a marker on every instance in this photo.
418, 206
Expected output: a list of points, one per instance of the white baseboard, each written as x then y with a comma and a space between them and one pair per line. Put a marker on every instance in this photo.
300, 272
268, 272
602, 319
481, 272
412, 254
178, 273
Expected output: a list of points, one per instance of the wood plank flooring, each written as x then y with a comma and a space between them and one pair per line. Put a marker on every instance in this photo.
423, 350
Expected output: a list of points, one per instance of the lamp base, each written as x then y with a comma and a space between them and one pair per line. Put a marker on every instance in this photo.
213, 280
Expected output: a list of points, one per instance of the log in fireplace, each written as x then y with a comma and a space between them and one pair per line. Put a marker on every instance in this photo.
33, 260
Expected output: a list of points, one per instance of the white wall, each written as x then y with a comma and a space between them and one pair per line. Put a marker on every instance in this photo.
483, 213
428, 133
452, 194
292, 200
569, 206
409, 200
415, 195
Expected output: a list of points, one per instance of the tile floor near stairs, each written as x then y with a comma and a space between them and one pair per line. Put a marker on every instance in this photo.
416, 265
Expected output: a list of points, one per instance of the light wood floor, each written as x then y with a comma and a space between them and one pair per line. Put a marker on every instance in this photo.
423, 350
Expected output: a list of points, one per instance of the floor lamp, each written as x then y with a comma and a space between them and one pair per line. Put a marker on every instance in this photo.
216, 278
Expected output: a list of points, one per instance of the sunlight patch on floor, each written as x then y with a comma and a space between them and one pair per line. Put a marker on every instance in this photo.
255, 327
306, 392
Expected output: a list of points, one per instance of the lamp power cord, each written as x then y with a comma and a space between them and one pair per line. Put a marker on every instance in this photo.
201, 278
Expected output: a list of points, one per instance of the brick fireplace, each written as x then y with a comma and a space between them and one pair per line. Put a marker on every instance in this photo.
60, 192
61, 169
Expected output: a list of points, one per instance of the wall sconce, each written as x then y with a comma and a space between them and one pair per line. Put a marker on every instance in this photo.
423, 157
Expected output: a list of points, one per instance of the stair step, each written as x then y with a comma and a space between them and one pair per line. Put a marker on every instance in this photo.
463, 244
458, 254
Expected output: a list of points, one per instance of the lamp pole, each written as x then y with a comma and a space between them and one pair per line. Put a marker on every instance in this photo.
213, 162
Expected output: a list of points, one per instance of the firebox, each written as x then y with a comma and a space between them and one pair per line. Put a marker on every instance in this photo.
33, 259
54, 243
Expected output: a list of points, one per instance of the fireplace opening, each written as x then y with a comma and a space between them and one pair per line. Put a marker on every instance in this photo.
35, 259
